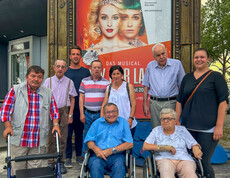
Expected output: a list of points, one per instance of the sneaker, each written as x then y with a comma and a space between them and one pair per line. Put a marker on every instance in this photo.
79, 159
63, 169
68, 163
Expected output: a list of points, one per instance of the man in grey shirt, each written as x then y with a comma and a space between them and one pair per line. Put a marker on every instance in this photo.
162, 79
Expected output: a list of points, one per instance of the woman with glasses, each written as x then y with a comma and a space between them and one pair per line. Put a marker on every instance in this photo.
170, 142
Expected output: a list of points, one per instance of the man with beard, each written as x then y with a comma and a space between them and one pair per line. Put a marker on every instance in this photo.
76, 73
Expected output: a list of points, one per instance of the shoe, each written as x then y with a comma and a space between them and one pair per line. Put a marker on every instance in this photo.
63, 169
68, 163
79, 159
52, 166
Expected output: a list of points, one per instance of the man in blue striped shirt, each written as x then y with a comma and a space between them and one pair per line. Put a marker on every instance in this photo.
162, 80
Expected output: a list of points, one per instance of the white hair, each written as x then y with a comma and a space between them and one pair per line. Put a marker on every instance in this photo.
157, 44
168, 111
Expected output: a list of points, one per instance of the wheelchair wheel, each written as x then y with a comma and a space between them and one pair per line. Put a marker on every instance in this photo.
147, 168
132, 173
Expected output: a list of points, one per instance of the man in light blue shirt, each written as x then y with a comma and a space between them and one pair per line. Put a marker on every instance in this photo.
108, 137
161, 81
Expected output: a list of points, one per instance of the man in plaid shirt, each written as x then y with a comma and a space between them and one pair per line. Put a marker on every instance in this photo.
25, 112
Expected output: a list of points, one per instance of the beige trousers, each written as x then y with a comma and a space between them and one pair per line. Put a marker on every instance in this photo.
23, 151
184, 168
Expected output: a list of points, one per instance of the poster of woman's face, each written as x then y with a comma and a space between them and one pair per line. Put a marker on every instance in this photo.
122, 32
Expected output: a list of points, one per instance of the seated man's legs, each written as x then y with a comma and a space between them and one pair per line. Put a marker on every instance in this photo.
97, 166
186, 169
166, 168
116, 165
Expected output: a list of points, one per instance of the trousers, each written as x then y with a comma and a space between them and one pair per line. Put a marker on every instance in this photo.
24, 151
208, 146
184, 168
51, 142
77, 127
115, 165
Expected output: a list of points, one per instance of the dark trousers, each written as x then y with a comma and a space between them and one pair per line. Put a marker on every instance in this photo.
208, 146
51, 142
77, 127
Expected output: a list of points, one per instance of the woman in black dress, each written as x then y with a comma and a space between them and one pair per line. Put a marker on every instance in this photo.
204, 113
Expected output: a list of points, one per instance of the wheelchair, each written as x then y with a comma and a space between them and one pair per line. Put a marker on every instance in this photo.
150, 167
42, 172
130, 165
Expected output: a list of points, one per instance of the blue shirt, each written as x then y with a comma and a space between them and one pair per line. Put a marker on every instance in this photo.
106, 135
164, 82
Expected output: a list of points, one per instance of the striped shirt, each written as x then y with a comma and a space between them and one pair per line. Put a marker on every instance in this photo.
94, 92
30, 134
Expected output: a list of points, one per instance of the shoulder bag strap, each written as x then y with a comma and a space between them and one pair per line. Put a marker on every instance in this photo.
109, 90
197, 87
128, 91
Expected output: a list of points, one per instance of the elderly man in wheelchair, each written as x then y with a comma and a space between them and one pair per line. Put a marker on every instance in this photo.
170, 143
108, 137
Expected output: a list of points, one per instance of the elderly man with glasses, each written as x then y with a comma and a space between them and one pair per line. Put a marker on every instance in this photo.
171, 142
108, 137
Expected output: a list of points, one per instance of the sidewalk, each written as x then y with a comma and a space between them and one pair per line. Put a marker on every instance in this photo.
221, 171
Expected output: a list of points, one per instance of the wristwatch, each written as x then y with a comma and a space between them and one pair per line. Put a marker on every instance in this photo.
131, 118
70, 115
114, 150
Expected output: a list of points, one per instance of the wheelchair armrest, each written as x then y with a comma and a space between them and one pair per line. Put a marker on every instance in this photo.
88, 153
198, 163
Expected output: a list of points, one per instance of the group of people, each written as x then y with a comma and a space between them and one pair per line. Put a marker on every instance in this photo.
200, 99
75, 100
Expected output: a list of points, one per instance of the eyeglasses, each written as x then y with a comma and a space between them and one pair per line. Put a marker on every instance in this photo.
167, 118
111, 112
58, 66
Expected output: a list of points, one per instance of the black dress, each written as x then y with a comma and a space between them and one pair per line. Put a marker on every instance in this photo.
200, 113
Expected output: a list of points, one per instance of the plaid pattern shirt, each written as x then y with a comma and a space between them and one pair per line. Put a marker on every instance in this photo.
30, 134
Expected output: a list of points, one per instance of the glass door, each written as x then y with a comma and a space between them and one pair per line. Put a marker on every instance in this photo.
19, 60
19, 64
